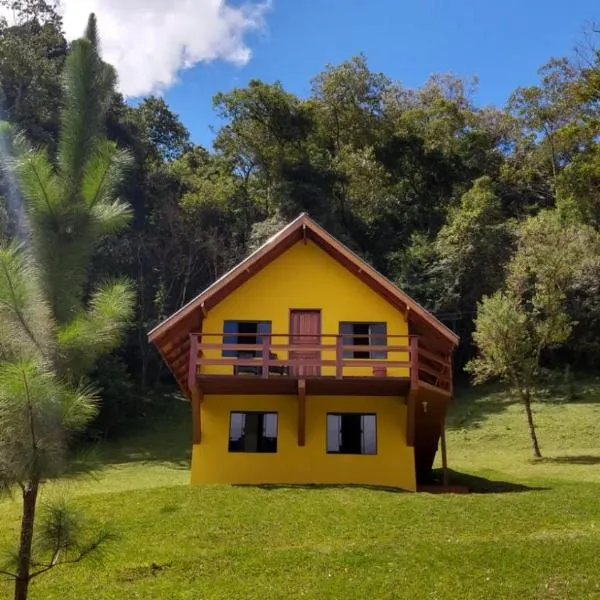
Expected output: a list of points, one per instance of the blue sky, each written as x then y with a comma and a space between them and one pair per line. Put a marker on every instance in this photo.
503, 43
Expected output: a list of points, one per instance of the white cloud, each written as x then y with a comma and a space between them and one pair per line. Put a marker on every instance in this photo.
151, 41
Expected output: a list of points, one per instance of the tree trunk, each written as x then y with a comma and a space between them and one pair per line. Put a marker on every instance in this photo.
535, 447
30, 494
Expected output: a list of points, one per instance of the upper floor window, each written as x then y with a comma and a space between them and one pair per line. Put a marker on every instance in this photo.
351, 433
244, 332
364, 334
253, 432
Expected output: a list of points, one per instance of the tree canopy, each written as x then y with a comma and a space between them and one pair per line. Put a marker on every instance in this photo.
449, 200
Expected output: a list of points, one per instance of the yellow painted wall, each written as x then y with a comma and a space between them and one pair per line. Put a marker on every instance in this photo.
306, 277
393, 465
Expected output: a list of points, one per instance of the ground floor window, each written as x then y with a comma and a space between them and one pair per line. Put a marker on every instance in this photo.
351, 433
253, 432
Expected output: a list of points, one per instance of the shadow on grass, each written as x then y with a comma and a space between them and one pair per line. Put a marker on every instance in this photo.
472, 406
320, 486
476, 484
459, 483
583, 459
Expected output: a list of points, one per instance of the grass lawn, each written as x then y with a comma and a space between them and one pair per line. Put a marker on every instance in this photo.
536, 534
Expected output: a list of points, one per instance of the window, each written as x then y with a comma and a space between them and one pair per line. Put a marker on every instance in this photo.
351, 433
253, 432
244, 332
364, 334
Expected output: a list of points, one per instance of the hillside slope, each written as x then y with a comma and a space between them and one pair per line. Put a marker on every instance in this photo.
536, 535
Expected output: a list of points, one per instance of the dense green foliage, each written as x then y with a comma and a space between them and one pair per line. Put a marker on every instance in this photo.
434, 191
533, 535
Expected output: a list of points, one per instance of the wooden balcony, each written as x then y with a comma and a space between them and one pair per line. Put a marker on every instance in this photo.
324, 364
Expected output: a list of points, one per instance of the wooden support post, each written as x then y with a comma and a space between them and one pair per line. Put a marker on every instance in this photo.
446, 479
193, 361
339, 354
197, 397
411, 400
414, 362
265, 357
301, 412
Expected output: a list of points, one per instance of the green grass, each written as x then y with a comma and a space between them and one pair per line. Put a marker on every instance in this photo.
535, 534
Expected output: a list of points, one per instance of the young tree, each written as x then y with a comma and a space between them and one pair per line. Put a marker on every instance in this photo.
507, 351
54, 322
515, 327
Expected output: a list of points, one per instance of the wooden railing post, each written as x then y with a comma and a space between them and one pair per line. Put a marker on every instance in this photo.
414, 362
193, 361
265, 356
339, 355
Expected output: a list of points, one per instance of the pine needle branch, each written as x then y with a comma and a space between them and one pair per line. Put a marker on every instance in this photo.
17, 312
83, 553
38, 179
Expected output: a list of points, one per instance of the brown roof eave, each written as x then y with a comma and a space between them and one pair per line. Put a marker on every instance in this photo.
301, 227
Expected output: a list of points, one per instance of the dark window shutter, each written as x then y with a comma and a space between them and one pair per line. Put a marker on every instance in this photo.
263, 328
230, 331
346, 331
378, 338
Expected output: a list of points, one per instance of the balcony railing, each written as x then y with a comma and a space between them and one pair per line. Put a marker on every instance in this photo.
300, 356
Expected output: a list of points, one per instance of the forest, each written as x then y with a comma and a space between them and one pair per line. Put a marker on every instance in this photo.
487, 216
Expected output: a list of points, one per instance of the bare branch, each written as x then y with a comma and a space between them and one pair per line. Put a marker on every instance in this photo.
83, 553
8, 574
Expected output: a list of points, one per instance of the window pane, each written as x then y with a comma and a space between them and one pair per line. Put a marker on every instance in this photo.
252, 432
268, 443
236, 432
361, 333
346, 333
247, 331
369, 435
270, 425
333, 433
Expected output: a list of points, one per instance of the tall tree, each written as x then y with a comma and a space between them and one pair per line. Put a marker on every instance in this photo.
55, 322
32, 54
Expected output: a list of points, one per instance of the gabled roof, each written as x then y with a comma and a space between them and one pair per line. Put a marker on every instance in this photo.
172, 335
303, 227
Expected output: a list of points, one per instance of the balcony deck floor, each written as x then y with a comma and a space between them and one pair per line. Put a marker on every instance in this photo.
322, 385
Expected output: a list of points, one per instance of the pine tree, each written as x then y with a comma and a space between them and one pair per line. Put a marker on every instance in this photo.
53, 323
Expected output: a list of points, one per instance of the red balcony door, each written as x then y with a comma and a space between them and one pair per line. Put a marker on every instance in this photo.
305, 330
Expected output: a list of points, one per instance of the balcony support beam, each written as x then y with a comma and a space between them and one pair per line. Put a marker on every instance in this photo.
445, 474
411, 409
301, 412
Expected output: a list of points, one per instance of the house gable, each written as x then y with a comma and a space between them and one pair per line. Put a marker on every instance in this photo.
304, 277
172, 336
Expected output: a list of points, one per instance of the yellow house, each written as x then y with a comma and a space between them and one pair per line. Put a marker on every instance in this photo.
304, 365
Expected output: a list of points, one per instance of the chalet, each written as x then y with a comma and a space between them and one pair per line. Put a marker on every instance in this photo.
305, 365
